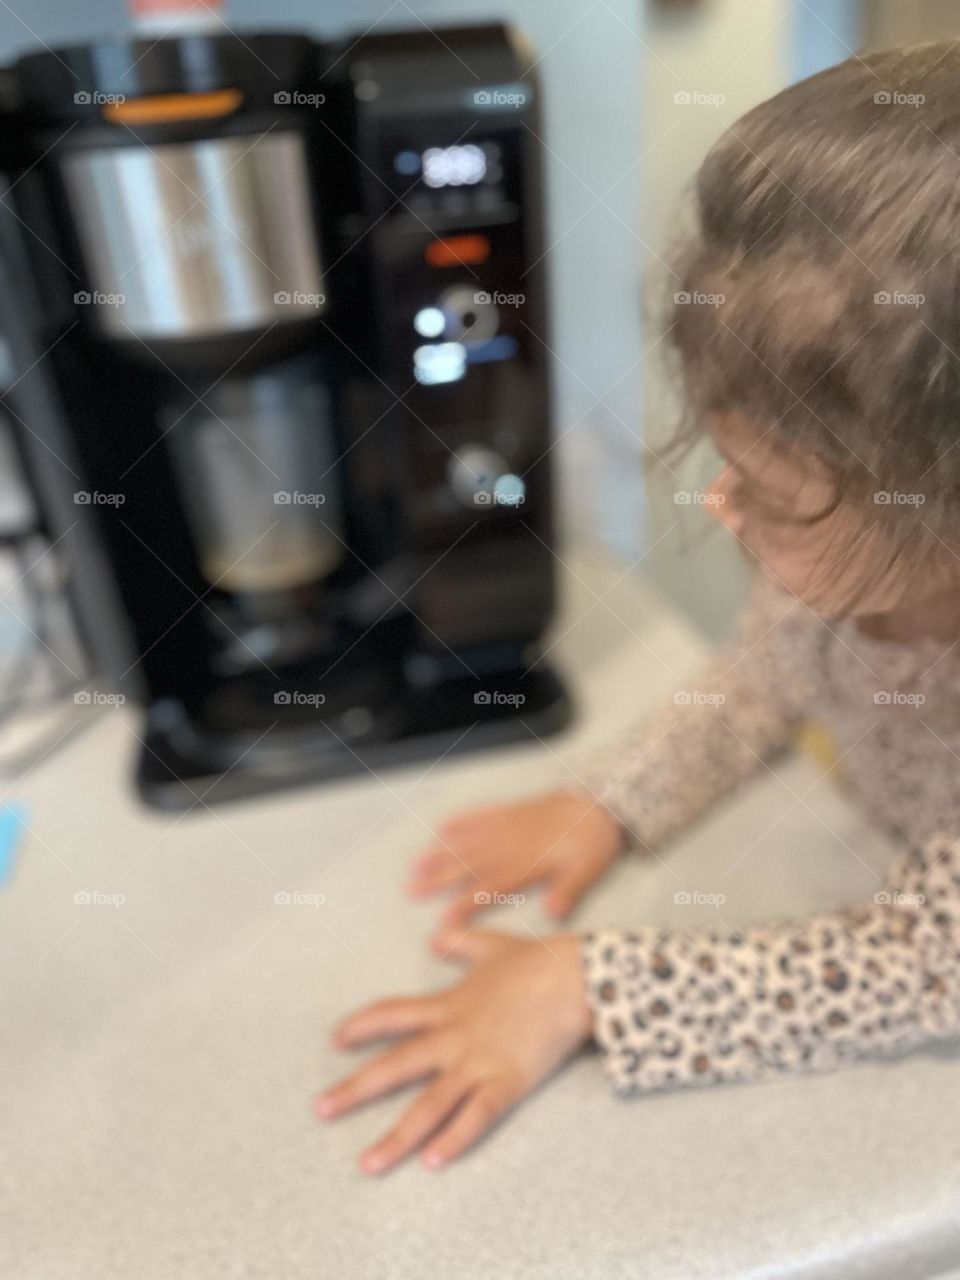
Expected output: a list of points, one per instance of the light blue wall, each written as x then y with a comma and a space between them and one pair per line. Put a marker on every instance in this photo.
821, 33
23, 26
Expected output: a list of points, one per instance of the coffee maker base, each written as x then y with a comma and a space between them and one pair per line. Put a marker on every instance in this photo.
185, 765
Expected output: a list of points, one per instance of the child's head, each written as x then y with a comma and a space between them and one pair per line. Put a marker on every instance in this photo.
817, 322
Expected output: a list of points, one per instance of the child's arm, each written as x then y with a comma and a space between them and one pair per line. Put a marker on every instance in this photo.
716, 729
689, 1009
662, 776
703, 1005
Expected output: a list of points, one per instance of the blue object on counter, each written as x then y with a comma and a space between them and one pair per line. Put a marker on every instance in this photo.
13, 820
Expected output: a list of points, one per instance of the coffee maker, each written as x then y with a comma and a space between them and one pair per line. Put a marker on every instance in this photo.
277, 314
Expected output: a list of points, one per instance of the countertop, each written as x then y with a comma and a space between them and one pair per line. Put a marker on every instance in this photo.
160, 1053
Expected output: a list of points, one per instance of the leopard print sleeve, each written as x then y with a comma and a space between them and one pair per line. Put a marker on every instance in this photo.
703, 1006
713, 733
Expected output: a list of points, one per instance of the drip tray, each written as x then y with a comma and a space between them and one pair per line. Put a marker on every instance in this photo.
225, 750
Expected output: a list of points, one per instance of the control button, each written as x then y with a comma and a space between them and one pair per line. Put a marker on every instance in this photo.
439, 362
509, 491
473, 472
407, 163
471, 314
430, 322
458, 251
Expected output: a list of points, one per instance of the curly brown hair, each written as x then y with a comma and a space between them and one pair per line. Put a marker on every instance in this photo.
819, 292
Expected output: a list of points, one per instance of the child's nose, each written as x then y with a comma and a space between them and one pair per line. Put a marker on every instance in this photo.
721, 501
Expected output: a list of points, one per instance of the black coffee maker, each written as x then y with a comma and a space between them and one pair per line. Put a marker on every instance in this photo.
278, 321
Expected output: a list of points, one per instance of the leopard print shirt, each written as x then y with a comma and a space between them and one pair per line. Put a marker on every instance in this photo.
674, 1008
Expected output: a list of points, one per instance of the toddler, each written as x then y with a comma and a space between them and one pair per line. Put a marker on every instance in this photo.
826, 370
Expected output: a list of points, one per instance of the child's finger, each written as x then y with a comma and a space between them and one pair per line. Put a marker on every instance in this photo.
440, 875
429, 858
446, 849
391, 1070
479, 1113
469, 944
444, 865
433, 860
389, 1018
417, 1122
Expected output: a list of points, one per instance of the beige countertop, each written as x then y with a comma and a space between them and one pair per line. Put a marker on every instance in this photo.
160, 1053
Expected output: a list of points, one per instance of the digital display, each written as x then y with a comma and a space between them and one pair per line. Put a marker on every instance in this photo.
460, 165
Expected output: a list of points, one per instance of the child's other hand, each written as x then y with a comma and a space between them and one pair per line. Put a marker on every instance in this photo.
486, 1043
563, 838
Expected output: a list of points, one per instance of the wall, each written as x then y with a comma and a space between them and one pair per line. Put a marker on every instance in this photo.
891, 22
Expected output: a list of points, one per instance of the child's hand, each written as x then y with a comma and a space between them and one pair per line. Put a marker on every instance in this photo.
565, 838
486, 1043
